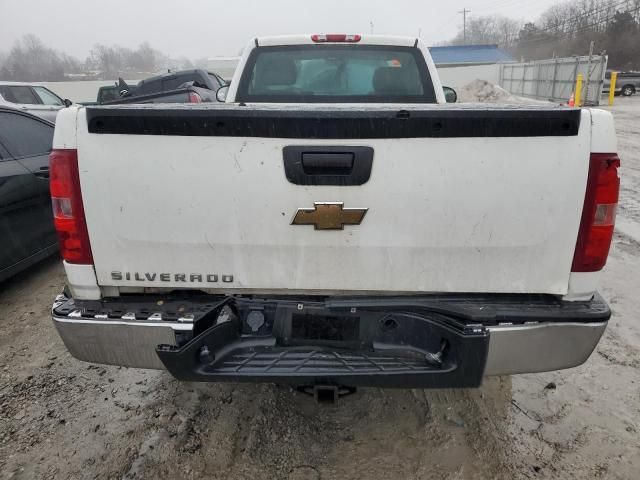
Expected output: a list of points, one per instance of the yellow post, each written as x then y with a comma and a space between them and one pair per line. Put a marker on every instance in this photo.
579, 90
612, 86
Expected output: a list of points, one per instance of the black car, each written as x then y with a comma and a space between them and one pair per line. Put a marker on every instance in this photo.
27, 233
173, 80
185, 86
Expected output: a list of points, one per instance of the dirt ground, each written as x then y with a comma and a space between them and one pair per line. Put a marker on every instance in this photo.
61, 418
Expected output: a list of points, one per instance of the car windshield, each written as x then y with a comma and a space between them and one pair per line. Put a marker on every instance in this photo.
334, 73
215, 80
18, 94
48, 97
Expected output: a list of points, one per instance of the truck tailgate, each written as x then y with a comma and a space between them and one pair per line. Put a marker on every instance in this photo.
458, 200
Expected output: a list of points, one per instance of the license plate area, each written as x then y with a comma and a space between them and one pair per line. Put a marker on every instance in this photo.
313, 325
325, 328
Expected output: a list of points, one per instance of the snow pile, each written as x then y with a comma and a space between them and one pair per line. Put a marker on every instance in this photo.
483, 91
486, 92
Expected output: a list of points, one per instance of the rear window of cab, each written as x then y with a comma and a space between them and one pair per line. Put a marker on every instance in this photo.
336, 73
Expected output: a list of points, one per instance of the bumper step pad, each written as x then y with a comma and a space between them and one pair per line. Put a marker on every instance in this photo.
310, 360
221, 353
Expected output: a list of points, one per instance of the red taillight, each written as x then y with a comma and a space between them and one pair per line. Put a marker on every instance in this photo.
68, 212
336, 38
598, 213
194, 97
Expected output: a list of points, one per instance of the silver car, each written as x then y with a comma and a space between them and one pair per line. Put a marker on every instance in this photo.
627, 83
35, 99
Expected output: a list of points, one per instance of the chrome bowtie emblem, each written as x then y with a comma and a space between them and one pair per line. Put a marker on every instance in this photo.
329, 216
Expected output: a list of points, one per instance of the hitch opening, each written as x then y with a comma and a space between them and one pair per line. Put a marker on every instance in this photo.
327, 394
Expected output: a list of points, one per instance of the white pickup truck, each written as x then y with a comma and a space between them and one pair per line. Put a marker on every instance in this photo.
334, 224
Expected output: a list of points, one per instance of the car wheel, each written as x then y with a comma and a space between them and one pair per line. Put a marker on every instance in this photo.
628, 90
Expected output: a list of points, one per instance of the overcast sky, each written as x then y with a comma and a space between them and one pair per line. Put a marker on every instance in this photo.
200, 28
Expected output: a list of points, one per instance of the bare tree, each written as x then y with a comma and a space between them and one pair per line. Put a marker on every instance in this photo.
566, 29
30, 60
494, 29
114, 61
109, 60
144, 59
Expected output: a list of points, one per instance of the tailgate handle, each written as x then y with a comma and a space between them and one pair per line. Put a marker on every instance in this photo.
327, 165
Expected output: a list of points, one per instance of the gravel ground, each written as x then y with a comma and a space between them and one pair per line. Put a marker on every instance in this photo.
61, 418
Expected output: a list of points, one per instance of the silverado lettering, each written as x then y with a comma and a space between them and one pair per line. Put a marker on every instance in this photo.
166, 277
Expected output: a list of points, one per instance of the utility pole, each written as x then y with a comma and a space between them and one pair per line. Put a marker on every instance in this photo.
464, 12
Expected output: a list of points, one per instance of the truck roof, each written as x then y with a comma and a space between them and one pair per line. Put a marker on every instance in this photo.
192, 72
305, 39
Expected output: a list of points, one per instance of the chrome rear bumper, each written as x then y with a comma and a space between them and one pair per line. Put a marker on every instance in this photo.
118, 339
540, 347
512, 349
117, 342
528, 347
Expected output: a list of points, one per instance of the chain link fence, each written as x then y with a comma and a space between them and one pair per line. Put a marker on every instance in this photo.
555, 79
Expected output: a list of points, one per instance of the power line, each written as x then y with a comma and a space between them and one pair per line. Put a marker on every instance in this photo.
583, 15
583, 28
575, 22
464, 12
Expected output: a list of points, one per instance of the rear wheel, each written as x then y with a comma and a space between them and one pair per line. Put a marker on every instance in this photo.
628, 90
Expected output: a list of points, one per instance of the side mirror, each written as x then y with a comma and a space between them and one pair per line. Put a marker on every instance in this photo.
450, 95
221, 93
67, 102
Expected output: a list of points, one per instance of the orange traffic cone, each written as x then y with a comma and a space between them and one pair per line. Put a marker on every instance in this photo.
572, 100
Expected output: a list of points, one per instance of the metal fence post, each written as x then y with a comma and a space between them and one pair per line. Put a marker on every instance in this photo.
586, 91
604, 59
555, 76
